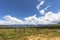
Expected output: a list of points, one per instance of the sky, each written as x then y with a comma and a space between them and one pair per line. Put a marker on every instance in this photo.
18, 8
29, 12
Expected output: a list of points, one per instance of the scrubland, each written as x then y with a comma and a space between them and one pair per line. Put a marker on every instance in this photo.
29, 33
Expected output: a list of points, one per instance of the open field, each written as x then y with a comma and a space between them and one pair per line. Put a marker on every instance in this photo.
29, 33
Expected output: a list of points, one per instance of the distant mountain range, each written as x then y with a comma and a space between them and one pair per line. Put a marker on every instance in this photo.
31, 25
34, 25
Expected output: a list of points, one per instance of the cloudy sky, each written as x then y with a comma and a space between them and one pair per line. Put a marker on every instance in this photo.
29, 12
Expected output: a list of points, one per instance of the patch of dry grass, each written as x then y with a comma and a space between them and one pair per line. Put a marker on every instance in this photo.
29, 34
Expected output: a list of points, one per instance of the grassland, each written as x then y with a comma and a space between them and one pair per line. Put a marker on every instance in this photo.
30, 33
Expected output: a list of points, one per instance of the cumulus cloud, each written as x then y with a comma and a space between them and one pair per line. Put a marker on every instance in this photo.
31, 20
48, 18
51, 18
8, 20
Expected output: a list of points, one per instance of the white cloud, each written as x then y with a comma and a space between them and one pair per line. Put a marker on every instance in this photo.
10, 20
40, 4
51, 17
48, 18
47, 7
42, 12
31, 20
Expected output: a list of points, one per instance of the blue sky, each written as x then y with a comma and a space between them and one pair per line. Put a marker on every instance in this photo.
18, 8
22, 10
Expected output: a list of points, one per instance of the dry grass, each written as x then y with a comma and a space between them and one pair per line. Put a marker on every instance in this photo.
29, 34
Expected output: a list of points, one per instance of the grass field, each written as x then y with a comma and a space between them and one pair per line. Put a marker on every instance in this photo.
29, 33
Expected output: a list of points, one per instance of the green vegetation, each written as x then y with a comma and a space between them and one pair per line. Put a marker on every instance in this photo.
20, 33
